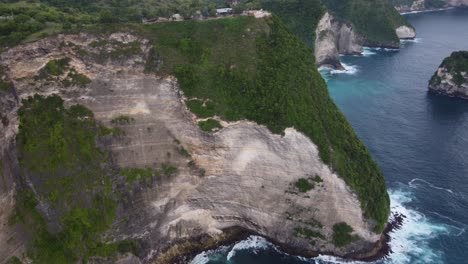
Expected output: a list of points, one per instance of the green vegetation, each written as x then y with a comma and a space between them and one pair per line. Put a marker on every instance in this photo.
116, 49
201, 109
317, 179
138, 174
374, 19
342, 234
303, 185
182, 151
209, 125
57, 150
122, 120
75, 78
14, 260
255, 69
301, 17
168, 170
54, 68
5, 85
114, 131
455, 64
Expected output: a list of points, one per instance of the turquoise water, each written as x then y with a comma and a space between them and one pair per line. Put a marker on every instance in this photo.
419, 140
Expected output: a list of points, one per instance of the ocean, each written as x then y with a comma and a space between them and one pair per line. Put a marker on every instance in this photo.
419, 140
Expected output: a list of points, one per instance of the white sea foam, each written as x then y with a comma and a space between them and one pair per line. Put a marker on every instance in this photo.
348, 69
366, 52
201, 258
410, 244
252, 243
425, 11
413, 184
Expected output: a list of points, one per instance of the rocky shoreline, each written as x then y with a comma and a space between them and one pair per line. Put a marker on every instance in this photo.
185, 251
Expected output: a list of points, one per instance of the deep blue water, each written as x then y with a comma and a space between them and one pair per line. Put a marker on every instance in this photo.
419, 140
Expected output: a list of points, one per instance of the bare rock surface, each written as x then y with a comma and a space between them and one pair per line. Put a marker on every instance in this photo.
405, 32
249, 173
446, 84
334, 38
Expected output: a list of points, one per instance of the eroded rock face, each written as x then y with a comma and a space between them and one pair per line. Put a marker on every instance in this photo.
405, 32
249, 173
457, 2
334, 38
444, 83
423, 5
451, 78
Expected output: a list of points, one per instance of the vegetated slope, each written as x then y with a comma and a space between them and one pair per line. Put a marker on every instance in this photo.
255, 69
376, 20
249, 68
300, 16
59, 157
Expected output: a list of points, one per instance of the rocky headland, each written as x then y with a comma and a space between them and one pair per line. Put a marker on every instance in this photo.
174, 186
451, 78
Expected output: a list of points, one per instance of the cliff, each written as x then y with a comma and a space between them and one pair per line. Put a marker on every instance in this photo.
404, 6
335, 37
451, 78
117, 146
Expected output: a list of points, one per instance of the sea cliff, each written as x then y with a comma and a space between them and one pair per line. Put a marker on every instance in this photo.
170, 137
451, 78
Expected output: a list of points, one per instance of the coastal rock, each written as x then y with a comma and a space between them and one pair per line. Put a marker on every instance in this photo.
457, 2
451, 78
405, 32
334, 38
423, 5
249, 174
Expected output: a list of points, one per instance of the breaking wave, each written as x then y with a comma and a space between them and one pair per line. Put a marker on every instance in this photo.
409, 244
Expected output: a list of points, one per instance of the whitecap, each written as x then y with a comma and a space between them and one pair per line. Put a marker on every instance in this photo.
413, 185
366, 52
201, 258
410, 244
348, 69
251, 243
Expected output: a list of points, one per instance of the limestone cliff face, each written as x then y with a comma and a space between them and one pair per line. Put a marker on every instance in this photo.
249, 173
457, 2
451, 78
405, 32
334, 38
423, 5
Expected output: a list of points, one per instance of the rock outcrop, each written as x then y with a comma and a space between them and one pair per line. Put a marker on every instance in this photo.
423, 5
405, 32
451, 78
249, 174
333, 38
457, 2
